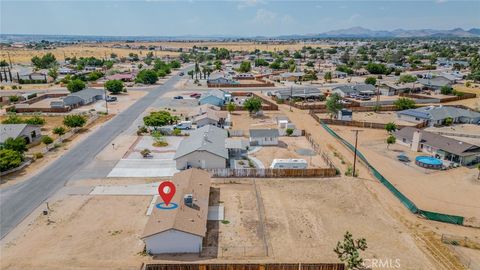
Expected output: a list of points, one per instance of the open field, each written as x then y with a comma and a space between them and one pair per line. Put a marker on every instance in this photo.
21, 55
287, 149
99, 51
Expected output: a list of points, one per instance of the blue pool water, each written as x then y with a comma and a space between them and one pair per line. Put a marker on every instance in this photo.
428, 162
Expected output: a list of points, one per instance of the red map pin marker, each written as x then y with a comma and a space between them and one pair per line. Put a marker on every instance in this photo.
166, 191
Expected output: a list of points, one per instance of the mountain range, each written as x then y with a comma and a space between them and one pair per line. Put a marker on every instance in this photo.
360, 32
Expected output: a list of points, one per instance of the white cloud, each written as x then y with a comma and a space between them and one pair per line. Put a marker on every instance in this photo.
249, 3
265, 16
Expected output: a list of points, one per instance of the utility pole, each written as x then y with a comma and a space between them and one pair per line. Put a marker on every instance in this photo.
355, 151
106, 100
291, 97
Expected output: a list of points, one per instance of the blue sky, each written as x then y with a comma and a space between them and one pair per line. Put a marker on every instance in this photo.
246, 18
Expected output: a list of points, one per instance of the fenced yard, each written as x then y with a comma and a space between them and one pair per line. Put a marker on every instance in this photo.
273, 173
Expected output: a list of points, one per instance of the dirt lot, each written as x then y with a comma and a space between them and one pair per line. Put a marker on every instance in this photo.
83, 232
375, 117
243, 121
451, 192
287, 149
304, 219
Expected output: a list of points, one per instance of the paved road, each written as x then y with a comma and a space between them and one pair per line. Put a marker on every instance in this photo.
18, 201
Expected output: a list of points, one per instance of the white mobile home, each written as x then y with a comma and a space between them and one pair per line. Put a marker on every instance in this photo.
291, 163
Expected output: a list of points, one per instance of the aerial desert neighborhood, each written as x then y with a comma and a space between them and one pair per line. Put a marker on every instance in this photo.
239, 135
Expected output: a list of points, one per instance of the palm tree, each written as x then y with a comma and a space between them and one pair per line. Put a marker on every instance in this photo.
197, 69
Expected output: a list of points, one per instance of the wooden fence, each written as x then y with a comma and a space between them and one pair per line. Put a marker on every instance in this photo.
362, 124
31, 109
273, 173
248, 266
261, 83
463, 95
316, 147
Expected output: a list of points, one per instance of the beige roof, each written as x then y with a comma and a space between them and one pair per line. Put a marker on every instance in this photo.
199, 110
191, 220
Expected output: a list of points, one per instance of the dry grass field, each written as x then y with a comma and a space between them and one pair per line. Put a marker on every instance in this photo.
24, 56
19, 55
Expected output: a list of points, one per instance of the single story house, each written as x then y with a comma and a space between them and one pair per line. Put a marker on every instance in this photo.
210, 117
357, 89
436, 82
199, 110
339, 74
84, 97
437, 115
439, 146
298, 92
204, 148
220, 79
29, 132
181, 229
264, 136
215, 97
391, 89
289, 76
245, 76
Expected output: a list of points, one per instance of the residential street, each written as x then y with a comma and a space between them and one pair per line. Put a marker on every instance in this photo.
18, 201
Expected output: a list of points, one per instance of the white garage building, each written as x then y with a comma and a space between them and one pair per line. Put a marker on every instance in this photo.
180, 230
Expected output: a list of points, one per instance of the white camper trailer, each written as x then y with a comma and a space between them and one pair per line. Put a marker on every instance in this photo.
291, 163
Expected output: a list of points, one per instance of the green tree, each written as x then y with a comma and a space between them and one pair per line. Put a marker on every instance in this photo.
448, 121
231, 107
147, 76
175, 64
404, 103
9, 159
76, 85
289, 131
348, 251
390, 127
46, 61
114, 86
328, 76
375, 68
13, 118
35, 120
245, 66
261, 62
13, 99
74, 120
371, 80
47, 140
53, 72
60, 131
446, 90
391, 140
94, 75
253, 104
19, 144
407, 78
160, 118
333, 104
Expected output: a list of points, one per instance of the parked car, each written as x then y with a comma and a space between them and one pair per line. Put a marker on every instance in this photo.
195, 95
111, 99
184, 125
181, 74
178, 97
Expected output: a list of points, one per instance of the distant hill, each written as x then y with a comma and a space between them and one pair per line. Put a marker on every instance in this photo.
360, 32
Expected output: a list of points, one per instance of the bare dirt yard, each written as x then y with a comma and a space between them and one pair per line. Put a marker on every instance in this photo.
304, 219
289, 147
375, 117
243, 121
82, 232
454, 191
